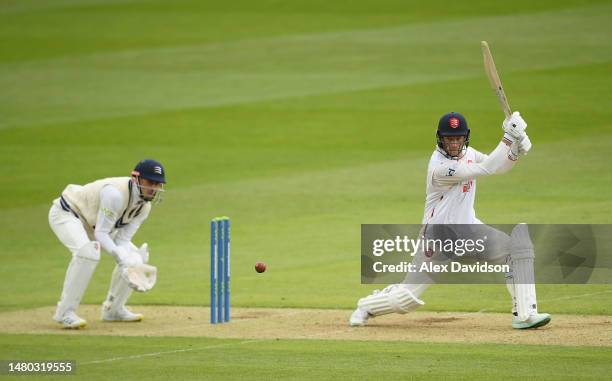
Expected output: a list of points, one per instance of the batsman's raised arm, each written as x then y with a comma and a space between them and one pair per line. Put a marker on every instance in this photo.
450, 172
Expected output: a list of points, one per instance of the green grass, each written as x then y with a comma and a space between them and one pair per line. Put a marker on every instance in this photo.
216, 359
300, 121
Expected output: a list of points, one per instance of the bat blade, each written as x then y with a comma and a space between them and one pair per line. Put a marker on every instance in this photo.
494, 80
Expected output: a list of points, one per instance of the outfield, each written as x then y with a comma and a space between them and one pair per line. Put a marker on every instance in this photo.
300, 122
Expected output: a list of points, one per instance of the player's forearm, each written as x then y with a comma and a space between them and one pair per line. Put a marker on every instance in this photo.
505, 167
125, 235
104, 225
107, 243
496, 162
128, 245
500, 160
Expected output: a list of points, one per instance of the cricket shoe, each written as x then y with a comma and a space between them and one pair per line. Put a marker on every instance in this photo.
120, 314
533, 321
359, 318
70, 320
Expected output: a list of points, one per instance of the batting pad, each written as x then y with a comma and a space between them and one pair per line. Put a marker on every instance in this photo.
522, 256
395, 298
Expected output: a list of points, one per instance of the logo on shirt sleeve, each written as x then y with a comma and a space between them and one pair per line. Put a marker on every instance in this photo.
107, 212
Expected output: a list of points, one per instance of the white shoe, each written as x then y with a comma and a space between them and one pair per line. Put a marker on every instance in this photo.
359, 318
533, 321
70, 320
120, 314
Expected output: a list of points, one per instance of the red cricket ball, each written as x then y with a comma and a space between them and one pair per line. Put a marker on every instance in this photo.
260, 267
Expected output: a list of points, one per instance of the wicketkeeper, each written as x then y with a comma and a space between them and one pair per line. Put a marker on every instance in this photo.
106, 214
451, 189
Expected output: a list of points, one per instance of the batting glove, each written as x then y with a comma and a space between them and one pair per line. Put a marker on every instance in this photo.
524, 145
514, 127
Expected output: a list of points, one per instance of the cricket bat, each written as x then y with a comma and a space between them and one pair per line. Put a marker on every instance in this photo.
494, 80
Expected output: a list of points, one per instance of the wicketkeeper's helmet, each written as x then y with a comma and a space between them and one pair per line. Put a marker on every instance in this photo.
151, 170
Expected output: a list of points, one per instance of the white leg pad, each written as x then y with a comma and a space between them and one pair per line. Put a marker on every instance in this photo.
395, 298
79, 273
510, 284
522, 257
118, 293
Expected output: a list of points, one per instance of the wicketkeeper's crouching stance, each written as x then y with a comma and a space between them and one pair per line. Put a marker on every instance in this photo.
106, 214
451, 188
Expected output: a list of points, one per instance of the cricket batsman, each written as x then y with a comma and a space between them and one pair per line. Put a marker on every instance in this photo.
451, 189
106, 214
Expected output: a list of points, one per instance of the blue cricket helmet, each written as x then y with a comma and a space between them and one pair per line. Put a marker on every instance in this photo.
452, 124
151, 170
